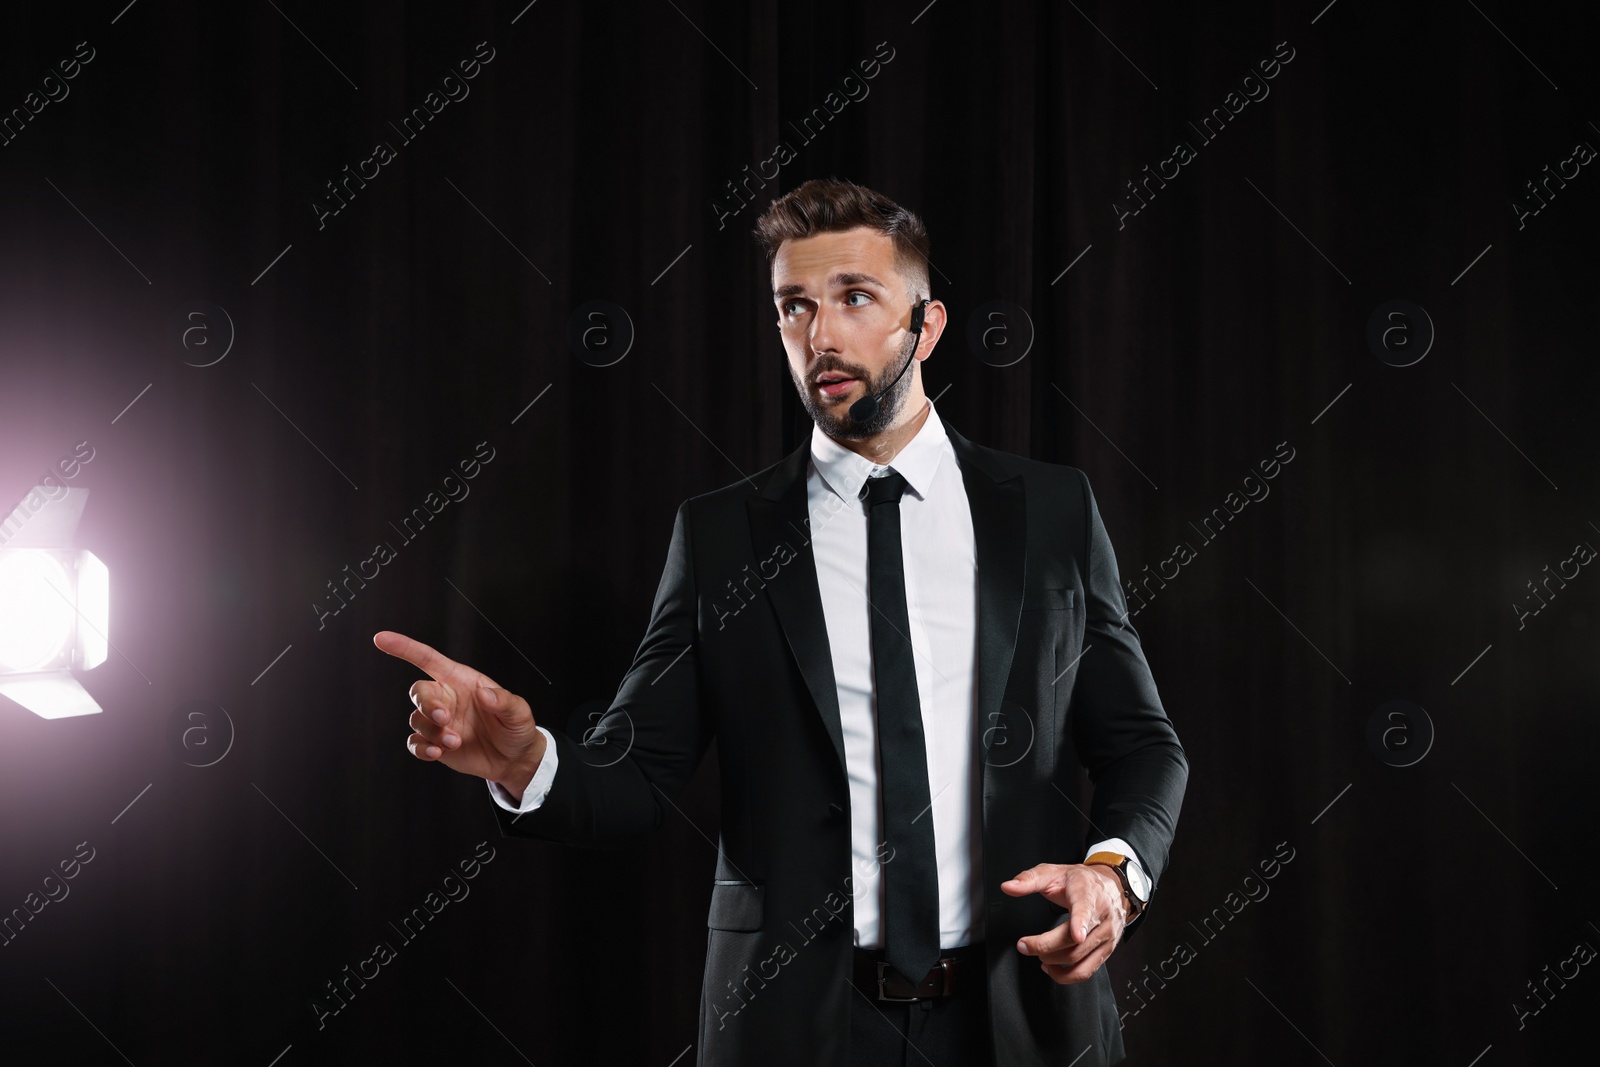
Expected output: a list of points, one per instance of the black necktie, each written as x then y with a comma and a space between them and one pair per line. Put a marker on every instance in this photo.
911, 877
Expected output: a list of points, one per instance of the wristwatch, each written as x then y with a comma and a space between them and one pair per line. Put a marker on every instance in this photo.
1135, 885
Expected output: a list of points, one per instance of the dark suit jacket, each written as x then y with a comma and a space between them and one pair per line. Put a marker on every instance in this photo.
737, 649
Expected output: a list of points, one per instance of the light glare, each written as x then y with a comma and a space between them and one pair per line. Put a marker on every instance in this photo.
36, 616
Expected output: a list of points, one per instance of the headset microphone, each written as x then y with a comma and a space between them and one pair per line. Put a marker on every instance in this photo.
864, 409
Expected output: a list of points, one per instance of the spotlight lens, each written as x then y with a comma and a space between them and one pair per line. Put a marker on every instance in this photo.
35, 609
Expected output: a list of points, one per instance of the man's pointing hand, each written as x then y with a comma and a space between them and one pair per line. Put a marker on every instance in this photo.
464, 720
1097, 912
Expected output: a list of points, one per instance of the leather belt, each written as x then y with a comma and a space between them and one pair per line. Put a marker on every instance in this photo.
957, 968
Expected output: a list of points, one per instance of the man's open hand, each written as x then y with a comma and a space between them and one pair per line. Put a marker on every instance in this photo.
464, 720
1096, 914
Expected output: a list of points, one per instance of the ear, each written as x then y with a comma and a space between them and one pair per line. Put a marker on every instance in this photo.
934, 318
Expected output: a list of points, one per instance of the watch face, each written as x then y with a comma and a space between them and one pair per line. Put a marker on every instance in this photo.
1138, 882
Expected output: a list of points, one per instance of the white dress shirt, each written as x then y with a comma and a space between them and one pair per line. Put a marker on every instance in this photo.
940, 558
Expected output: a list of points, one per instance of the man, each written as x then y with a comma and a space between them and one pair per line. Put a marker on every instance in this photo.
906, 646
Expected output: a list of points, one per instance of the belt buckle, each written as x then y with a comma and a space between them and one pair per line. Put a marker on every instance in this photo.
882, 966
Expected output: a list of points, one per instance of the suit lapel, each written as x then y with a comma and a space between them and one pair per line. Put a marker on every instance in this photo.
780, 513
1000, 535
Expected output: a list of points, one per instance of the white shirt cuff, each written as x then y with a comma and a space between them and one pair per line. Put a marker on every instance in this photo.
1122, 848
538, 787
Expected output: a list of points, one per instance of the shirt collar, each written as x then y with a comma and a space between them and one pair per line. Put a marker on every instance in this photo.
845, 472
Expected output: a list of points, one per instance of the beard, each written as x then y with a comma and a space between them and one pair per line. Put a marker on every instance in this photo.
832, 415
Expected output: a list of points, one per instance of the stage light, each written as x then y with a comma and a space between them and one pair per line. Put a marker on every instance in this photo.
55, 605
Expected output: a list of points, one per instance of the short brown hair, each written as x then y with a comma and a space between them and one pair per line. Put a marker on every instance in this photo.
829, 205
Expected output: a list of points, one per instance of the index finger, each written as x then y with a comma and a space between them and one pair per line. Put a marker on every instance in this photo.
432, 662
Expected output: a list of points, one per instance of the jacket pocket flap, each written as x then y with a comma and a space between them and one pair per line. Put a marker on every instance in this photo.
1039, 599
736, 906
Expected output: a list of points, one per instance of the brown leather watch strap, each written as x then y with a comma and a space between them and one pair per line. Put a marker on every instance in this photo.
1118, 864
